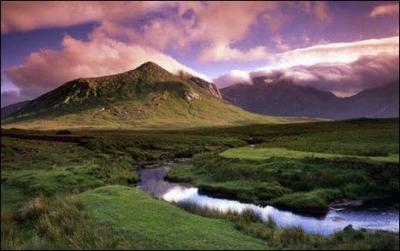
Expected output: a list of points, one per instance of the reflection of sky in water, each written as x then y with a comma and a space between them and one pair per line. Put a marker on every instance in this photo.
152, 182
332, 222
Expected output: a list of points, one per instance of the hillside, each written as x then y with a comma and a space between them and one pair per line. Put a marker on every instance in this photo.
285, 98
381, 102
147, 97
281, 99
10, 109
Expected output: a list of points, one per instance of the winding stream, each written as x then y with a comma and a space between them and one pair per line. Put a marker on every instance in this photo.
370, 218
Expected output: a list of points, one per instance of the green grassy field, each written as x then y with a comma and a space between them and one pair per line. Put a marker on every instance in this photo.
268, 153
80, 195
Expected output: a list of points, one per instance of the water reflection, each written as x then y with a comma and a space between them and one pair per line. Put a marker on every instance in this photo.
152, 181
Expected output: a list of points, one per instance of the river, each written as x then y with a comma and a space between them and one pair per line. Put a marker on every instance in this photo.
370, 217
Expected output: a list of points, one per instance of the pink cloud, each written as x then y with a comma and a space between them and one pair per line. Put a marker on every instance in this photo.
47, 69
215, 22
319, 9
280, 44
25, 16
385, 9
221, 52
215, 25
321, 12
241, 15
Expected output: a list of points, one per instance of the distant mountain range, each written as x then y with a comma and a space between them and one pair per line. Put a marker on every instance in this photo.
285, 98
146, 97
10, 109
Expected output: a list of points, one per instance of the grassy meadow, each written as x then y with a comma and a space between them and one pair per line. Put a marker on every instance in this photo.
80, 193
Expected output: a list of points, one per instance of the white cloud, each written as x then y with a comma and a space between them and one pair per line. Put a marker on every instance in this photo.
233, 77
337, 52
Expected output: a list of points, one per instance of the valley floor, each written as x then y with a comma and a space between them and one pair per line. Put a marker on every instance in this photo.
78, 192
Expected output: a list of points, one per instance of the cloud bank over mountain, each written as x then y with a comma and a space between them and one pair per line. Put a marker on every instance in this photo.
341, 68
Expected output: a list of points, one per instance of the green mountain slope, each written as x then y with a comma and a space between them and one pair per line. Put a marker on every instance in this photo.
147, 97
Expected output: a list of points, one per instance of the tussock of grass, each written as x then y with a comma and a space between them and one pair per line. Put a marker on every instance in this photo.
59, 224
244, 190
315, 201
246, 215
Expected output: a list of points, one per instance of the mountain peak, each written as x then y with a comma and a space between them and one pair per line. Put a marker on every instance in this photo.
151, 70
150, 65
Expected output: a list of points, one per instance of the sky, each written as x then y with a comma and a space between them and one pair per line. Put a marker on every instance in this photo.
341, 47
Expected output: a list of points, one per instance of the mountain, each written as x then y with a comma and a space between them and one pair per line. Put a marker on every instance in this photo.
10, 109
284, 98
146, 97
281, 99
381, 102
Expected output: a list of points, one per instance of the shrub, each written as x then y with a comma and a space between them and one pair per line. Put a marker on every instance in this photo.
63, 132
34, 209
292, 236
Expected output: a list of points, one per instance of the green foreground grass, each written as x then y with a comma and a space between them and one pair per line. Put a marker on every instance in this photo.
155, 224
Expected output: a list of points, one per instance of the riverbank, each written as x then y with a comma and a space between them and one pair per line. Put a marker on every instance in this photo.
305, 186
304, 172
153, 182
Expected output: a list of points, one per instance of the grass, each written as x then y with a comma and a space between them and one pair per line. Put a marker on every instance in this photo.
157, 224
289, 183
33, 167
48, 201
342, 157
312, 202
50, 182
244, 190
268, 153
59, 223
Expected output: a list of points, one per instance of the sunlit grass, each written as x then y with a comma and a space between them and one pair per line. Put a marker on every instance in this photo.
253, 153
